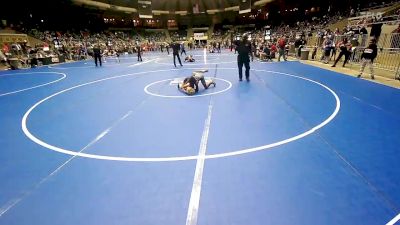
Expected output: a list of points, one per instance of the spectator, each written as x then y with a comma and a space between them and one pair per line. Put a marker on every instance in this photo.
364, 34
376, 30
368, 57
183, 48
282, 46
345, 49
327, 49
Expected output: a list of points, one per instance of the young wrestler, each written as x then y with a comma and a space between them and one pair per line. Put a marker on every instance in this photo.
190, 85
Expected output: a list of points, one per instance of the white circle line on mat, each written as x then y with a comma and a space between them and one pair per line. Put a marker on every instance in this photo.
37, 86
146, 89
179, 158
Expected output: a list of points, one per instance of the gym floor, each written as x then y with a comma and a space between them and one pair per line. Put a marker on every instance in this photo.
120, 144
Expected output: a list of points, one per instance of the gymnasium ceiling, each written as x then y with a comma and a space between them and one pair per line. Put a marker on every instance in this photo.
176, 5
171, 5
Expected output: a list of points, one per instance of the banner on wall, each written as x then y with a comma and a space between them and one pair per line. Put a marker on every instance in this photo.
200, 36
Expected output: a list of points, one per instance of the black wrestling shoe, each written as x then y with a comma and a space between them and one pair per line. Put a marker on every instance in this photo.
240, 79
359, 75
248, 79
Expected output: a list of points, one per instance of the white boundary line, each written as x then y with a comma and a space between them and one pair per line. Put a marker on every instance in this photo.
15, 201
194, 202
195, 63
181, 158
146, 89
394, 220
37, 86
104, 65
141, 63
205, 56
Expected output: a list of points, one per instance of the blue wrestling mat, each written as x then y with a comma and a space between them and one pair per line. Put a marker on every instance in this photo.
120, 144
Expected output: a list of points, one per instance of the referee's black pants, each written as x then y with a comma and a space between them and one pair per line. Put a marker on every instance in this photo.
346, 55
246, 63
97, 57
179, 59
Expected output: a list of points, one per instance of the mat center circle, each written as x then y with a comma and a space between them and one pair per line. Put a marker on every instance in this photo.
168, 88
229, 153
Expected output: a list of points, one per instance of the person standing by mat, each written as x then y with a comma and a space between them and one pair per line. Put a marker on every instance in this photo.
368, 56
244, 50
183, 48
97, 54
175, 51
139, 53
345, 49
282, 48
167, 47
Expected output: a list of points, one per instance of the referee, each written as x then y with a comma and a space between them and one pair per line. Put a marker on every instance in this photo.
244, 51
175, 51
97, 54
139, 53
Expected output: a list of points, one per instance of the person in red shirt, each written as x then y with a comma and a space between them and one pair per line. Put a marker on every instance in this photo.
273, 50
6, 49
282, 45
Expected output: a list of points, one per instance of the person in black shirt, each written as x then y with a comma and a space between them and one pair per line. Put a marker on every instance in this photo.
345, 49
167, 46
183, 48
175, 51
267, 53
244, 51
139, 53
33, 55
97, 54
376, 29
235, 45
299, 44
368, 57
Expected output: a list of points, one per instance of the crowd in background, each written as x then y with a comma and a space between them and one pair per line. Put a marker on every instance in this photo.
77, 46
292, 38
